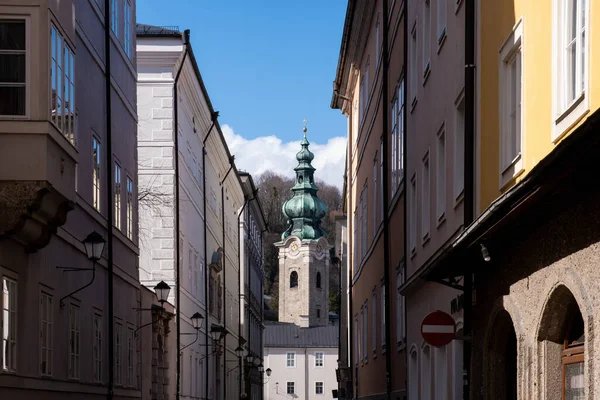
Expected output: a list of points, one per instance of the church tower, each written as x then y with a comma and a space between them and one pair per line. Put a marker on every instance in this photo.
304, 250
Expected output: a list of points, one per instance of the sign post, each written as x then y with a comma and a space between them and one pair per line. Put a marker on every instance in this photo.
438, 328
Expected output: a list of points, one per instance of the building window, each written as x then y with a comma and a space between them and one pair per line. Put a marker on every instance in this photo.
290, 360
291, 388
426, 199
8, 321
510, 105
441, 20
129, 208
127, 27
412, 215
426, 372
383, 344
318, 387
413, 374
398, 110
294, 279
356, 354
46, 319
318, 313
96, 173
400, 304
457, 364
130, 356
318, 280
573, 385
319, 359
459, 148
374, 214
426, 36
364, 219
114, 17
381, 199
571, 50
413, 65
13, 80
119, 354
374, 322
117, 196
97, 322
63, 86
355, 249
441, 373
364, 332
364, 91
440, 178
74, 330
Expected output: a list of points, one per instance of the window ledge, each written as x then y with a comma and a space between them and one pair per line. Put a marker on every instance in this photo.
441, 39
413, 252
426, 72
413, 104
459, 198
457, 8
511, 172
440, 220
570, 117
426, 238
401, 345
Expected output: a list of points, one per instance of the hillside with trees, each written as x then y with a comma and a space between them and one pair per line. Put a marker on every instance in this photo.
273, 190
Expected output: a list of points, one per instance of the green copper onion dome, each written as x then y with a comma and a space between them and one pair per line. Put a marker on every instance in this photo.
305, 210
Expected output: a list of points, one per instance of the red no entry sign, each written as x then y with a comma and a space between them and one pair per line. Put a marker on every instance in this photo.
438, 328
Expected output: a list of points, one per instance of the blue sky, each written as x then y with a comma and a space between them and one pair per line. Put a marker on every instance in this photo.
267, 65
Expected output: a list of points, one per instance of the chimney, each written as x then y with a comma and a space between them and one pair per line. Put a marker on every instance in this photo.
304, 321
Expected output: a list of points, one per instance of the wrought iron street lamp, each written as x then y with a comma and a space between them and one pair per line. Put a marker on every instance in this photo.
94, 246
268, 372
162, 290
197, 320
239, 351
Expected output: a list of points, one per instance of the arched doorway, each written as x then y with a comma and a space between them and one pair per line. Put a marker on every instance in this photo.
501, 379
562, 337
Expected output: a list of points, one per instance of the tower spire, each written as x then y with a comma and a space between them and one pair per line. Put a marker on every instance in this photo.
304, 129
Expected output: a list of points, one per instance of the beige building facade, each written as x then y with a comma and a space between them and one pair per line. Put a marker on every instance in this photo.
65, 174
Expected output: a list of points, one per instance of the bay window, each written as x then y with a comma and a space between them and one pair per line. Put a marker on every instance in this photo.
13, 67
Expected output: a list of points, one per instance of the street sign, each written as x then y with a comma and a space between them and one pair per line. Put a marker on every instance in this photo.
438, 328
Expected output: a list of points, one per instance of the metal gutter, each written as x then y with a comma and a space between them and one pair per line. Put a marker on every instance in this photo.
343, 53
186, 36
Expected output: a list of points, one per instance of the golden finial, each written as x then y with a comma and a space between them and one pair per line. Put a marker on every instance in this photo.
304, 129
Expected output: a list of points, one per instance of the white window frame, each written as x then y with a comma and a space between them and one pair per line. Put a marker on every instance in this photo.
426, 39
130, 377
118, 353
425, 372
114, 17
62, 77
290, 386
374, 213
46, 331
319, 359
74, 341
97, 349
292, 359
117, 179
130, 202
413, 213
96, 173
383, 328
413, 373
127, 27
355, 337
9, 306
377, 41
27, 53
511, 51
400, 311
459, 148
442, 11
364, 332
566, 114
426, 198
441, 172
441, 373
414, 65
374, 323
322, 387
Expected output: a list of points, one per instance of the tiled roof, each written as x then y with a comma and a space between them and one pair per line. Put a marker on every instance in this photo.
282, 334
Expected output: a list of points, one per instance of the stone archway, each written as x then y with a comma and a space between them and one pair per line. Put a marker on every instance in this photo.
500, 378
561, 341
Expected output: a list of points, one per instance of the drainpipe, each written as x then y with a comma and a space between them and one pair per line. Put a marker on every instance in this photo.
186, 38
405, 168
214, 115
109, 198
224, 278
386, 223
469, 195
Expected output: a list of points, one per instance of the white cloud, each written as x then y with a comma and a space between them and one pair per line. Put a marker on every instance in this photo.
271, 153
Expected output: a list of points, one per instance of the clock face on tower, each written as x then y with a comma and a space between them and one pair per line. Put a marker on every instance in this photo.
319, 249
294, 247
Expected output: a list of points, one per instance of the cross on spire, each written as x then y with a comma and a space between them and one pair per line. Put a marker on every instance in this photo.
304, 129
